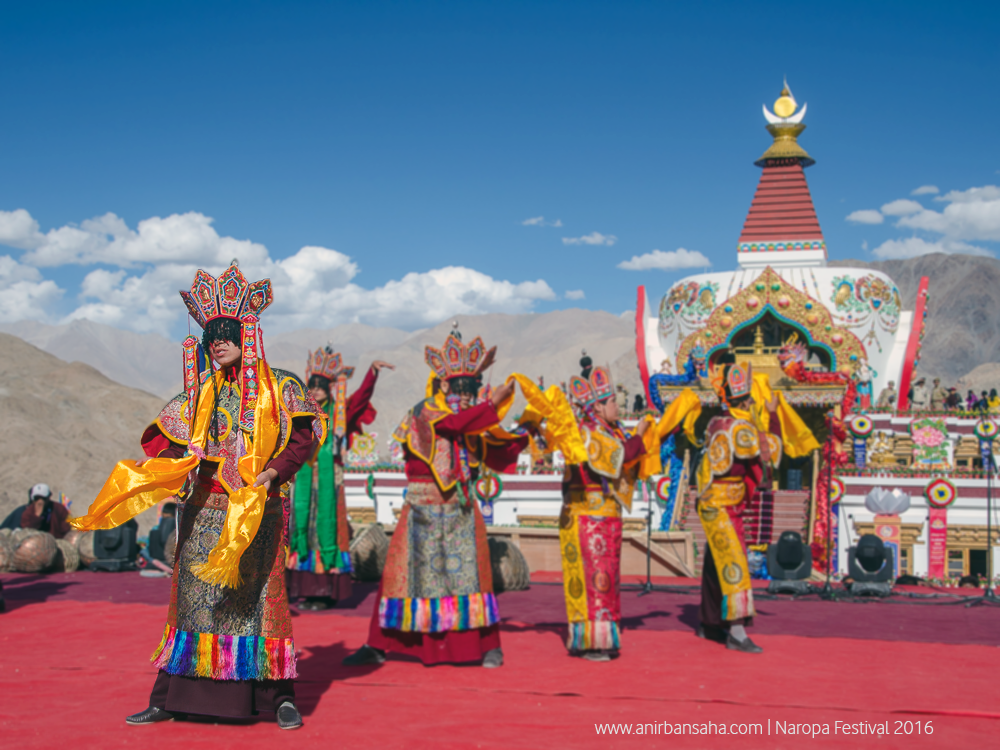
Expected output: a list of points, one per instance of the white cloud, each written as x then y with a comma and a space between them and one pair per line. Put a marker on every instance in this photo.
314, 287
539, 221
972, 195
25, 296
912, 247
866, 216
18, 229
149, 265
901, 207
926, 190
972, 214
575, 294
666, 261
594, 238
107, 239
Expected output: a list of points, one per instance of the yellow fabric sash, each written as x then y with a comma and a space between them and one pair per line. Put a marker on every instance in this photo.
727, 551
132, 489
797, 439
560, 430
686, 409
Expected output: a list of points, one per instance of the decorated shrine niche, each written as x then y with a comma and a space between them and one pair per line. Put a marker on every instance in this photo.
762, 340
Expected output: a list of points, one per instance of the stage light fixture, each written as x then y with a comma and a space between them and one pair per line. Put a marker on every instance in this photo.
116, 549
871, 567
789, 562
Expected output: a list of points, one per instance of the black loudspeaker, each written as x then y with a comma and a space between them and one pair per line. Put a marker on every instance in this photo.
116, 549
789, 562
871, 566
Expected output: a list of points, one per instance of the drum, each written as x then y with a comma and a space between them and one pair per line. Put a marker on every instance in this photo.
85, 546
6, 551
170, 548
368, 553
34, 551
510, 569
72, 536
68, 559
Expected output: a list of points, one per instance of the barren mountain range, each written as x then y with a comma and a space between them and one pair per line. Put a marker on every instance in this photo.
71, 411
91, 422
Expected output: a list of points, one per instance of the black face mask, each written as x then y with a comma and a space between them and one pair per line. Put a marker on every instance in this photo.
465, 384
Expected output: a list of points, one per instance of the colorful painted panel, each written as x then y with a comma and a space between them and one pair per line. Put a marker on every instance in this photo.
930, 444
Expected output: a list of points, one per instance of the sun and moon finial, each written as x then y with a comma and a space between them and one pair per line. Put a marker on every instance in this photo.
785, 125
784, 108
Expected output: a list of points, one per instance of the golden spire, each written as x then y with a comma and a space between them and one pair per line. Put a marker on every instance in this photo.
785, 125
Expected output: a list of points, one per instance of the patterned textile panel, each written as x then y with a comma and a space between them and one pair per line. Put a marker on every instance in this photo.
260, 605
590, 535
437, 574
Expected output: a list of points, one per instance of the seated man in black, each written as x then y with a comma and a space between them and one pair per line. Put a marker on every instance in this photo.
40, 513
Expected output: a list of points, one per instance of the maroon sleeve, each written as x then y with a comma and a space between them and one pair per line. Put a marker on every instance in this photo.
502, 458
359, 408
774, 426
480, 417
634, 448
302, 444
59, 521
158, 445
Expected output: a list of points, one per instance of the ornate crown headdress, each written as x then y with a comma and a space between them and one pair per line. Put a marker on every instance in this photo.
597, 387
330, 365
327, 364
228, 296
732, 381
456, 360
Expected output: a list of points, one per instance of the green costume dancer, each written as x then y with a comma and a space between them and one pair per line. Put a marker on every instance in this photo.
319, 560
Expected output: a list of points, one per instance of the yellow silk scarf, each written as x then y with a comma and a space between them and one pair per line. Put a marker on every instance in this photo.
686, 409
132, 489
560, 430
796, 438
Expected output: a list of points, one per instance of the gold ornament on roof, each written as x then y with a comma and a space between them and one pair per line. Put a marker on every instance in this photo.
785, 125
784, 105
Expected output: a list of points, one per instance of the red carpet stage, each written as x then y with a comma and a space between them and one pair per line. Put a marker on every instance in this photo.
75, 660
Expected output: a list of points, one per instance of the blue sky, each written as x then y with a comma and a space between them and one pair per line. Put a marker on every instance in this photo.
414, 137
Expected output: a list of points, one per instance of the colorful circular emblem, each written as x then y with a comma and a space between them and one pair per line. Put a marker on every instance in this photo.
837, 490
862, 426
662, 489
940, 493
987, 430
489, 488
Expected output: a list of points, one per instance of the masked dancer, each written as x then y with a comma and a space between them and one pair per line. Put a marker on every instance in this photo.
319, 560
238, 432
590, 525
738, 459
436, 599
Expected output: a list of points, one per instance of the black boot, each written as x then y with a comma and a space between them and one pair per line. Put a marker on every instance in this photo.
150, 716
288, 716
746, 645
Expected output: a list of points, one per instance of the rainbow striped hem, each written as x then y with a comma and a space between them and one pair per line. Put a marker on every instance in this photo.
225, 657
593, 636
312, 564
738, 605
439, 615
